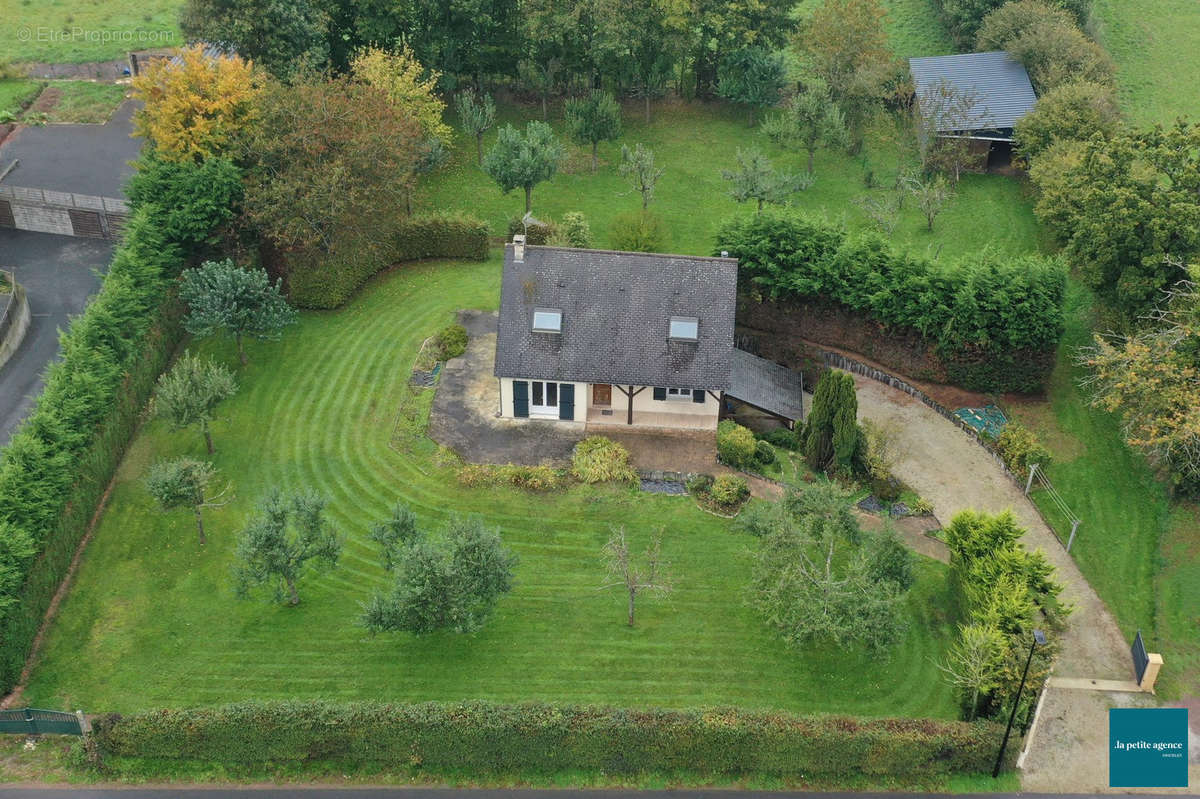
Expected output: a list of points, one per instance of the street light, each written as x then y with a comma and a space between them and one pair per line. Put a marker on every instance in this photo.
1039, 639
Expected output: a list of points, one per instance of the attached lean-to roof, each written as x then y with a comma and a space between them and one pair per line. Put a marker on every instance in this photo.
766, 385
999, 82
616, 314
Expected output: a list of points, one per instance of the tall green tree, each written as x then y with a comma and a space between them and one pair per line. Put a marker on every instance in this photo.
593, 119
523, 161
655, 34
1127, 209
717, 28
183, 483
752, 76
637, 166
284, 38
832, 440
196, 199
756, 179
188, 393
223, 297
477, 115
844, 44
288, 538
452, 583
809, 122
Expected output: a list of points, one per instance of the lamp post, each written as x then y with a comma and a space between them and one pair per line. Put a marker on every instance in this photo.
1039, 638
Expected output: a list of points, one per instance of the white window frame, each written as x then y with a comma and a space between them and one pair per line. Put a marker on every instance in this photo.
549, 311
543, 388
686, 320
679, 395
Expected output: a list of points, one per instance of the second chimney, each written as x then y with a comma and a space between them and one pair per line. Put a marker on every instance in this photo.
518, 248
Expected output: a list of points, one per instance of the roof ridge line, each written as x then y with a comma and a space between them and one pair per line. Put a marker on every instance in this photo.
677, 256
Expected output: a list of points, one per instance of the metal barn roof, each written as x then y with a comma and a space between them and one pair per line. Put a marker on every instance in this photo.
766, 385
999, 81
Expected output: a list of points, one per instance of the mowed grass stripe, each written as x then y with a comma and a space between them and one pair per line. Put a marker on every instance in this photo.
156, 620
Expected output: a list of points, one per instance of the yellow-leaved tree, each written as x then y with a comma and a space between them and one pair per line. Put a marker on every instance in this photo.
410, 87
194, 107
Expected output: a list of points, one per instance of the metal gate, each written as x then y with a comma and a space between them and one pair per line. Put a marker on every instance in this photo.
1140, 658
31, 721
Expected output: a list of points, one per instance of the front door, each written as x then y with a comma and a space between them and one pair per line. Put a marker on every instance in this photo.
602, 394
543, 400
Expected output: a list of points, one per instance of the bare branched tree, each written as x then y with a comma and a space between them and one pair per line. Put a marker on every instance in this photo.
943, 116
651, 575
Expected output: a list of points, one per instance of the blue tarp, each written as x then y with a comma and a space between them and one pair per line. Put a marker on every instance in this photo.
988, 419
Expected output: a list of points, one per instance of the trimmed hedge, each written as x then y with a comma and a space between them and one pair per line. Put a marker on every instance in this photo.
994, 323
328, 280
59, 463
485, 738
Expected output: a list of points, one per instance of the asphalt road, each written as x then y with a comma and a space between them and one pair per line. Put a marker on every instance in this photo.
84, 159
59, 274
479, 793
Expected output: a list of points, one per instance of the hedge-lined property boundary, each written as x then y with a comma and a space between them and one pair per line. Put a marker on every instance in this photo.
489, 739
329, 281
59, 462
993, 323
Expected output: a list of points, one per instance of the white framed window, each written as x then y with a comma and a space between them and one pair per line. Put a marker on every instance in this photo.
543, 398
547, 320
684, 328
679, 394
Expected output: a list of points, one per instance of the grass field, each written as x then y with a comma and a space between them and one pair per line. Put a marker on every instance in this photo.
693, 142
67, 31
16, 94
1156, 44
152, 620
1138, 552
85, 101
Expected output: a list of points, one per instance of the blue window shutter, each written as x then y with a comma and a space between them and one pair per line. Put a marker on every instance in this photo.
520, 398
698, 396
566, 401
660, 394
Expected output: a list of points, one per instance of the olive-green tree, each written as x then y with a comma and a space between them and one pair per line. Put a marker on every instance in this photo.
757, 179
593, 119
752, 76
809, 122
183, 483
223, 297
523, 161
637, 166
190, 391
477, 115
288, 538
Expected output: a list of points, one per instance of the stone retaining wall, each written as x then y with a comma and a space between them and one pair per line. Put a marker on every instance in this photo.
14, 319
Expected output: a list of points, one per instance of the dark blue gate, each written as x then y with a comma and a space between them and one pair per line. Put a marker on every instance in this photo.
31, 721
1140, 658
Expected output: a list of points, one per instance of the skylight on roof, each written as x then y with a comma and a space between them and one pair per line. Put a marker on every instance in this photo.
547, 320
685, 328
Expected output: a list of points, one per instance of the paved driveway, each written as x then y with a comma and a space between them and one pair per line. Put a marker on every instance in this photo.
59, 274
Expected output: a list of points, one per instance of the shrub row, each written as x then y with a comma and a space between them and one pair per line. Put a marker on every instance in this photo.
328, 280
488, 739
57, 465
995, 323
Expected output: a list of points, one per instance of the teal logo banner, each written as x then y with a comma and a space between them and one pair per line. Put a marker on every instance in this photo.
1148, 747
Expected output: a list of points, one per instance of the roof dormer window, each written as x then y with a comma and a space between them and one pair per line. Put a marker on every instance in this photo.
684, 328
547, 320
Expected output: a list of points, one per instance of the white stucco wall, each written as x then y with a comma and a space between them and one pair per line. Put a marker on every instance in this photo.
643, 404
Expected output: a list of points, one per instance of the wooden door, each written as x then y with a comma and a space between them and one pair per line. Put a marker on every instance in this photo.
602, 394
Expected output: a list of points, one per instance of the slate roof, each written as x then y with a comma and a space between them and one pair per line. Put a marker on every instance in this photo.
616, 309
766, 385
999, 81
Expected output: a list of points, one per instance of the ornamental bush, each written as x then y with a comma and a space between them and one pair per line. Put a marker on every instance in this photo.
492, 739
597, 459
450, 342
638, 231
735, 444
729, 490
764, 453
994, 322
1019, 447
328, 280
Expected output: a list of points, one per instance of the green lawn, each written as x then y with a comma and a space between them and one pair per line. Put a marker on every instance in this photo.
1156, 44
1138, 552
152, 621
16, 94
68, 31
693, 142
85, 101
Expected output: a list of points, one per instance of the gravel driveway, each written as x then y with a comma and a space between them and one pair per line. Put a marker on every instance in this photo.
946, 466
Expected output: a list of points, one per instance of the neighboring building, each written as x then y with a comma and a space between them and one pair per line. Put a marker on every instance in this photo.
997, 84
621, 338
